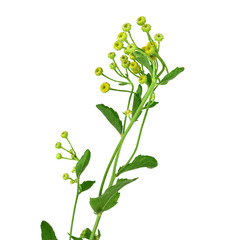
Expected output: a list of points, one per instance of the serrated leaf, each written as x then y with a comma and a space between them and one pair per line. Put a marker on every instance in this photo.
109, 198
112, 116
82, 163
171, 75
47, 232
151, 105
143, 60
85, 186
139, 162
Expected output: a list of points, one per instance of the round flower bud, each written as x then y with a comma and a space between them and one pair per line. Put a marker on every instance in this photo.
105, 87
122, 36
128, 113
73, 170
98, 71
141, 21
134, 66
65, 176
58, 156
123, 58
131, 48
137, 70
142, 79
125, 64
150, 49
64, 134
112, 65
158, 37
118, 45
72, 182
149, 43
126, 27
131, 56
111, 55
146, 28
126, 51
58, 145
143, 48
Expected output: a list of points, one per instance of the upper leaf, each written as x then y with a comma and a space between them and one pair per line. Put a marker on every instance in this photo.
171, 75
151, 105
139, 162
85, 186
112, 116
47, 231
143, 60
110, 197
83, 162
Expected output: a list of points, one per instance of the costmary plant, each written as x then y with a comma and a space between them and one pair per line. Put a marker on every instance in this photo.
141, 66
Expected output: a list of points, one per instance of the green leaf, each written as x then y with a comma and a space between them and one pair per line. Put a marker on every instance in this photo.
171, 75
123, 83
137, 100
86, 233
98, 234
112, 116
151, 105
142, 60
75, 238
83, 162
110, 197
85, 186
47, 231
139, 90
139, 162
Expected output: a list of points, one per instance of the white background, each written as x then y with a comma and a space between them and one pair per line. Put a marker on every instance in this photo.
48, 52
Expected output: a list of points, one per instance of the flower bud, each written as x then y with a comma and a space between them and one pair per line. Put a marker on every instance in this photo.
134, 66
158, 37
112, 65
128, 113
105, 87
123, 58
58, 156
118, 45
65, 176
64, 134
142, 79
150, 49
111, 55
126, 51
131, 56
98, 71
141, 21
72, 182
125, 64
137, 70
73, 170
126, 27
146, 28
131, 48
122, 37
58, 145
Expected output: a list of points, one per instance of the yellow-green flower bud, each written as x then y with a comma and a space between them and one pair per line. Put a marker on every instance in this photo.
131, 48
118, 45
111, 55
71, 151
76, 180
158, 37
146, 28
134, 66
126, 27
72, 182
105, 87
58, 145
126, 51
58, 156
137, 70
131, 56
73, 170
123, 58
98, 71
128, 113
65, 176
112, 65
142, 79
64, 134
122, 37
125, 64
150, 49
141, 21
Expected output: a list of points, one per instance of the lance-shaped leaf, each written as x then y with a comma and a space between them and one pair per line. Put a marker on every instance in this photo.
110, 197
139, 162
151, 105
112, 116
143, 60
83, 162
85, 186
171, 75
47, 231
137, 100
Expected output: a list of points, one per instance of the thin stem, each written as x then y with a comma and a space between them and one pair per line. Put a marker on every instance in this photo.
131, 38
119, 90
164, 66
65, 149
95, 226
122, 75
128, 105
74, 209
112, 79
72, 147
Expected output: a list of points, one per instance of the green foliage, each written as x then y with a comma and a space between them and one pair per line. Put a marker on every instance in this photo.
137, 100
47, 231
142, 60
139, 162
110, 197
75, 238
151, 105
85, 186
83, 162
112, 116
171, 75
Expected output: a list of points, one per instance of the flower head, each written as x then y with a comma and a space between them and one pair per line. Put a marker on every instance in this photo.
58, 156
131, 48
105, 87
142, 79
65, 176
141, 21
131, 56
146, 28
128, 113
98, 71
122, 37
126, 27
125, 64
112, 65
123, 58
118, 45
134, 66
150, 49
111, 55
58, 145
64, 134
158, 37
137, 70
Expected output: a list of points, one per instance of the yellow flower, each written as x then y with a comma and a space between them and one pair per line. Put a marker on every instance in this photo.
98, 71
122, 36
128, 113
137, 70
126, 27
123, 58
134, 66
65, 176
142, 79
141, 21
150, 49
105, 87
131, 56
148, 44
118, 45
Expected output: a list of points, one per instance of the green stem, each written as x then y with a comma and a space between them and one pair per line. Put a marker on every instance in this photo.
74, 209
72, 147
95, 226
164, 66
131, 38
128, 104
112, 79
120, 90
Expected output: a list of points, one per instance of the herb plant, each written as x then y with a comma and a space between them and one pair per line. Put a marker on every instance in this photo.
141, 66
